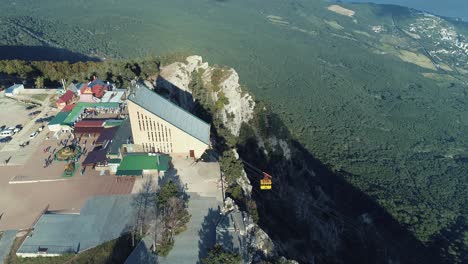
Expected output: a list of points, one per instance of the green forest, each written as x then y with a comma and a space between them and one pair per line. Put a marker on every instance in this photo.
42, 74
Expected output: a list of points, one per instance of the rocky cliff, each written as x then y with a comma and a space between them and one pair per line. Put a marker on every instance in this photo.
312, 215
239, 107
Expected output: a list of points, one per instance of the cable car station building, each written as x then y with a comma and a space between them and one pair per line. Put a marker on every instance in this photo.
159, 125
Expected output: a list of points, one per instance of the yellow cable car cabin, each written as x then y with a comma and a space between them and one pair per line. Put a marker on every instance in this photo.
265, 184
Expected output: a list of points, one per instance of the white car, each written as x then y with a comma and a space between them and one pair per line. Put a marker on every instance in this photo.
7, 133
33, 135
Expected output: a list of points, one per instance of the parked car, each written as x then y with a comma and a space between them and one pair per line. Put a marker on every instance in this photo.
17, 129
39, 120
2, 128
29, 107
47, 119
34, 113
5, 139
40, 128
7, 133
33, 135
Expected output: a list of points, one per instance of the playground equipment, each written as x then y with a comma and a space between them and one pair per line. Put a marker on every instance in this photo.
68, 153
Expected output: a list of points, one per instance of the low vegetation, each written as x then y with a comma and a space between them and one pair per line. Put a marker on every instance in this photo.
218, 75
218, 255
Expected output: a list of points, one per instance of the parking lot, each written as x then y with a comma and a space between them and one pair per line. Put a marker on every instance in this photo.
16, 114
11, 153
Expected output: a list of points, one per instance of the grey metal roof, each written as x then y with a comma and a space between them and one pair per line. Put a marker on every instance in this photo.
123, 135
13, 87
102, 219
172, 113
72, 87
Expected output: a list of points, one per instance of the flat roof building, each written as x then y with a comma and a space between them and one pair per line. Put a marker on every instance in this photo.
14, 89
136, 164
159, 125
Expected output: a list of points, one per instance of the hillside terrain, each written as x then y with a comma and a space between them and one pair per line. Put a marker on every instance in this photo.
377, 93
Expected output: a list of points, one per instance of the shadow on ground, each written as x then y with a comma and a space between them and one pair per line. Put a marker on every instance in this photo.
207, 233
315, 216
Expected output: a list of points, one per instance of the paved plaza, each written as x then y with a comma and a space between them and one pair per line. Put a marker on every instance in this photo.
202, 180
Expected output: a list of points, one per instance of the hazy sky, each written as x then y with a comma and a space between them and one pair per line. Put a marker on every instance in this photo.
451, 8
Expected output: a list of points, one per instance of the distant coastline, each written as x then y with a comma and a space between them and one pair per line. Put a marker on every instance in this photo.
456, 9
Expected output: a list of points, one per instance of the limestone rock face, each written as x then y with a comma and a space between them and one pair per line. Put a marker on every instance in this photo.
176, 77
260, 242
240, 107
179, 74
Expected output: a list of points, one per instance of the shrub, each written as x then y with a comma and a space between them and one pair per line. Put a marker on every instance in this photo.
219, 255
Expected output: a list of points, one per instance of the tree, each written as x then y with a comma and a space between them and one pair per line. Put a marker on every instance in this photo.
142, 203
167, 191
218, 255
171, 214
39, 82
175, 215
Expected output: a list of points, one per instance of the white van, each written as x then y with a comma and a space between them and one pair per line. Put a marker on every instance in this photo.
7, 133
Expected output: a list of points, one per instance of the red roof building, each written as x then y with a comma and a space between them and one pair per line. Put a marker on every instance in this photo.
97, 88
90, 123
68, 108
90, 127
66, 99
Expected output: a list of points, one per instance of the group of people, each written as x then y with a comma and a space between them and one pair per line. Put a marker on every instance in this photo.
65, 142
49, 159
94, 112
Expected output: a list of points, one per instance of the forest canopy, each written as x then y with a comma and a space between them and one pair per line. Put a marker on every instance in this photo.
50, 73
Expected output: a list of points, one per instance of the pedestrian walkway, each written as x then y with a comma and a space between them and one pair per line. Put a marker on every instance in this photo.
194, 243
5, 244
